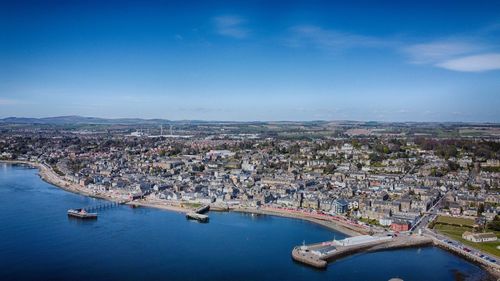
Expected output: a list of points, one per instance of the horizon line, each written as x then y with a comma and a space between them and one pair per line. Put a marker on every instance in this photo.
246, 121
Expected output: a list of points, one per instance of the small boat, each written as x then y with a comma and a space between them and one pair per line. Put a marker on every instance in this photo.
81, 214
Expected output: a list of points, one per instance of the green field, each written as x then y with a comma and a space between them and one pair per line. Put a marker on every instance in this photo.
455, 221
455, 232
191, 205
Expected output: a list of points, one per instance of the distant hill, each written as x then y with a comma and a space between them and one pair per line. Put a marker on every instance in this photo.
61, 120
74, 119
82, 120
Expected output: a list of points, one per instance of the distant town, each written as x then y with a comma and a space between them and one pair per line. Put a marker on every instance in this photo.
439, 180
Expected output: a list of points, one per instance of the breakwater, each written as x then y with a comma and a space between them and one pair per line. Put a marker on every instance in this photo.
318, 255
257, 246
493, 268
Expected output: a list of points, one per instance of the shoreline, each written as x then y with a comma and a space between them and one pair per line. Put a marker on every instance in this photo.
159, 205
494, 270
324, 223
49, 176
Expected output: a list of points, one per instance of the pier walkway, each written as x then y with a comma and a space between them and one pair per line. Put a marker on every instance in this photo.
105, 205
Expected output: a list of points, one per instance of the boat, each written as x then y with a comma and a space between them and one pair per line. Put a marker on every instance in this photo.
81, 214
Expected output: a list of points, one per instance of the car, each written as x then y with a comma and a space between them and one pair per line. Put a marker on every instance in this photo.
467, 250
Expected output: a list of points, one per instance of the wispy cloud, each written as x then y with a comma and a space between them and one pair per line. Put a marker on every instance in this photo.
437, 51
475, 63
8, 101
466, 55
231, 26
471, 52
329, 39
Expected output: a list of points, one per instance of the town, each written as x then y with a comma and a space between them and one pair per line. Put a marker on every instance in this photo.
363, 178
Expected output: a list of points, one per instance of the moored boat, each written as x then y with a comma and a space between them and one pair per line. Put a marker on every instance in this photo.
81, 214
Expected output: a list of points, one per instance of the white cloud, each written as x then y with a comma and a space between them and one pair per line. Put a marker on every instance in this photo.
471, 53
310, 35
474, 63
231, 26
436, 51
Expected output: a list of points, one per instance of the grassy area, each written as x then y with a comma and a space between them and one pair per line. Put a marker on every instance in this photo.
455, 221
455, 232
369, 221
191, 205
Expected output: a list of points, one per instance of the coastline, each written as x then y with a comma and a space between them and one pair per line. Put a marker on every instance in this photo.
324, 223
493, 269
49, 176
159, 205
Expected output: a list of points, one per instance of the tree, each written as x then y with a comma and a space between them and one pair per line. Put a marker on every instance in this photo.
453, 166
480, 209
330, 169
495, 224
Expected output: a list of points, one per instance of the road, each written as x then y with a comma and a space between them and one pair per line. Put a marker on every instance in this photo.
428, 216
464, 249
432, 213
423, 222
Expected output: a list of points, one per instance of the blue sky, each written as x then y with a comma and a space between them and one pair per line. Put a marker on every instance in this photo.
252, 60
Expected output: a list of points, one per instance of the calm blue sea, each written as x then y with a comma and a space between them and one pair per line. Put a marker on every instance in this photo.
39, 242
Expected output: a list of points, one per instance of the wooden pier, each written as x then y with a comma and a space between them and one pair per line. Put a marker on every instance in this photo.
91, 211
105, 205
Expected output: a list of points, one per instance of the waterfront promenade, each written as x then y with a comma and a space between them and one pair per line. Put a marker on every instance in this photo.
323, 220
127, 242
48, 175
474, 255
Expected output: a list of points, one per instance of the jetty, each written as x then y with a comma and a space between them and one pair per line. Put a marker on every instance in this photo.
203, 209
197, 214
105, 205
90, 212
318, 255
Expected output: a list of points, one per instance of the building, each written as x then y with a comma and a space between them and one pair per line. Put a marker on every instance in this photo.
455, 209
385, 221
479, 237
340, 206
400, 225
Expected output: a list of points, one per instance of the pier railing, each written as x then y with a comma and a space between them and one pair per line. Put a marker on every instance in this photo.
105, 205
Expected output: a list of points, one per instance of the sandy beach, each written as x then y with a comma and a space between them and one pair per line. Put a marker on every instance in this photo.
335, 226
48, 175
159, 205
